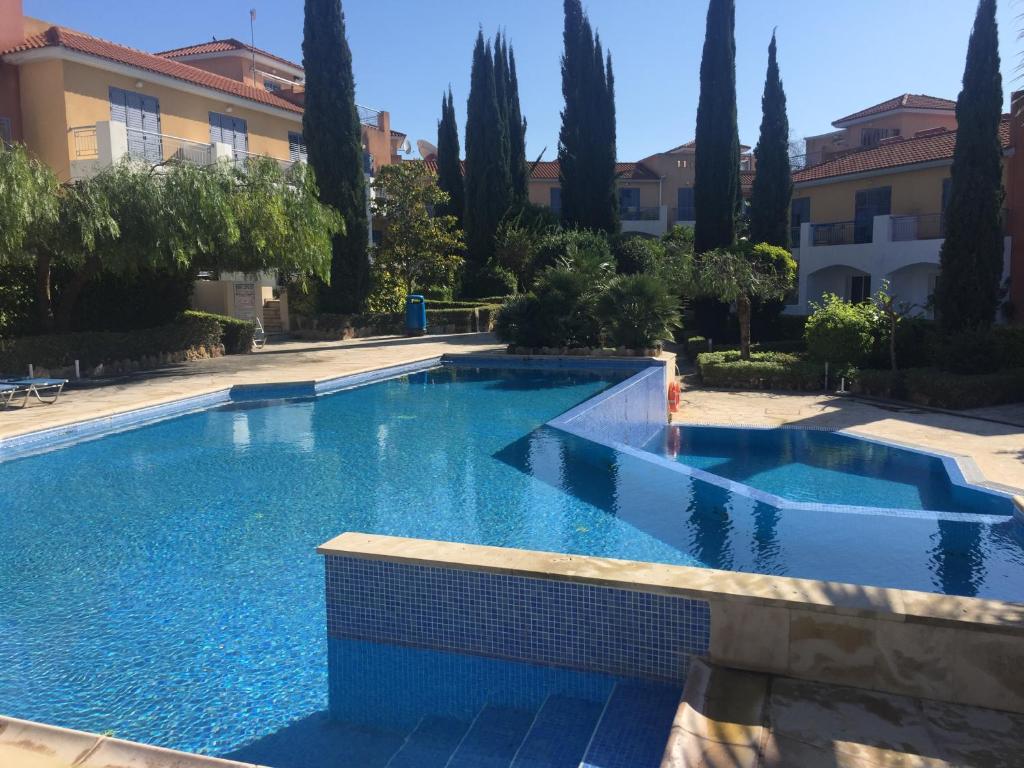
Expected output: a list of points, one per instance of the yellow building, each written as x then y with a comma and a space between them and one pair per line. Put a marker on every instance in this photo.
655, 193
871, 208
81, 104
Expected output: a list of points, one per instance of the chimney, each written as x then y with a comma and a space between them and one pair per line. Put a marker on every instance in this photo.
12, 23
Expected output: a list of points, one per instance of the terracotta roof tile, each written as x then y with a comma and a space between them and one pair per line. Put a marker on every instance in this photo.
893, 154
93, 46
221, 46
906, 101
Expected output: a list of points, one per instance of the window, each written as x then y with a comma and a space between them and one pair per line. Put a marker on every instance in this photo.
296, 147
684, 205
141, 115
230, 130
947, 188
6, 135
271, 85
860, 288
556, 199
870, 137
629, 199
869, 203
799, 213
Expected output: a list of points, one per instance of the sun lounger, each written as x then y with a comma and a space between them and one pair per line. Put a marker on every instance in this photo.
44, 390
8, 392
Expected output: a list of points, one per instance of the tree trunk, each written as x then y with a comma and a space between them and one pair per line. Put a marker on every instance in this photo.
892, 342
43, 296
743, 315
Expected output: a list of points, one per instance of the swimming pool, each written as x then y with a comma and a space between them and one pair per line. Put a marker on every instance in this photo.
162, 582
822, 467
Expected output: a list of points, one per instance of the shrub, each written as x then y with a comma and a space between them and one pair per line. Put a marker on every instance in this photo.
840, 333
927, 386
466, 319
634, 252
970, 352
236, 335
580, 249
488, 281
559, 313
695, 345
764, 370
93, 348
637, 312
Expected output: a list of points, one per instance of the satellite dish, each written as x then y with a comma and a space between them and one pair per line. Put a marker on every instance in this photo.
406, 147
427, 150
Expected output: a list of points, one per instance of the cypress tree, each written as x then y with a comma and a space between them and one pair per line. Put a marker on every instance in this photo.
449, 166
333, 137
519, 172
716, 194
502, 85
773, 184
586, 152
971, 259
487, 183
717, 173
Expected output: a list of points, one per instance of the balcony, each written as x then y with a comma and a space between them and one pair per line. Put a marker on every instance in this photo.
853, 258
929, 226
836, 233
651, 213
650, 220
99, 146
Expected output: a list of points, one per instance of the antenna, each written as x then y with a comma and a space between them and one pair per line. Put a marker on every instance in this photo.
252, 40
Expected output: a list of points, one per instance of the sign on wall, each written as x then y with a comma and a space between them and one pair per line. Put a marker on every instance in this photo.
245, 301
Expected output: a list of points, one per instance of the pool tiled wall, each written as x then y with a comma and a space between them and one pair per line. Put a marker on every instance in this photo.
630, 413
542, 621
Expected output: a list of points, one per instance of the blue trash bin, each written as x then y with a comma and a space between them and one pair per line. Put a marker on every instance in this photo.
415, 315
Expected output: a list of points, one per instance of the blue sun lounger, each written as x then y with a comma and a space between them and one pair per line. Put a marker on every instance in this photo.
44, 390
7, 393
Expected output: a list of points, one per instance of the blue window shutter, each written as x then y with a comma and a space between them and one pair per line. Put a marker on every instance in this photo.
216, 133
296, 147
117, 105
240, 139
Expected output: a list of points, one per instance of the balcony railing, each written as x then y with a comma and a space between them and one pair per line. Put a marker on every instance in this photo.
929, 226
177, 150
243, 158
367, 116
834, 233
681, 216
652, 213
84, 138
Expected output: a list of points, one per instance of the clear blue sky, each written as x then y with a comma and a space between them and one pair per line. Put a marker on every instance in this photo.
835, 57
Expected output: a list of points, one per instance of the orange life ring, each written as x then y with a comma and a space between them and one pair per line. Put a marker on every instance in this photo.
673, 396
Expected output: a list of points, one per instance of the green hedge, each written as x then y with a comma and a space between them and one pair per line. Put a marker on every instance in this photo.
237, 335
93, 348
943, 389
697, 345
460, 304
765, 370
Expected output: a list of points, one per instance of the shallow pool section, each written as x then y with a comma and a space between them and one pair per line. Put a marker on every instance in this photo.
823, 467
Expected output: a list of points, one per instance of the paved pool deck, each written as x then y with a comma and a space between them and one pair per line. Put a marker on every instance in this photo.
995, 441
281, 362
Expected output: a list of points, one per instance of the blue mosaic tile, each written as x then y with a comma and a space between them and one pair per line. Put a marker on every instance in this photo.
542, 621
560, 733
493, 739
630, 413
634, 728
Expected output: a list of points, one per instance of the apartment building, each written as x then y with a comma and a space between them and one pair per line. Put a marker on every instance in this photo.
81, 103
874, 212
655, 193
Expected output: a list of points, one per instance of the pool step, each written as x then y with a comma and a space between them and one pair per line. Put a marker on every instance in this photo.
559, 734
634, 727
431, 744
493, 739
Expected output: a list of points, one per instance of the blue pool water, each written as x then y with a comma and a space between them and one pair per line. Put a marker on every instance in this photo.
162, 582
826, 468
